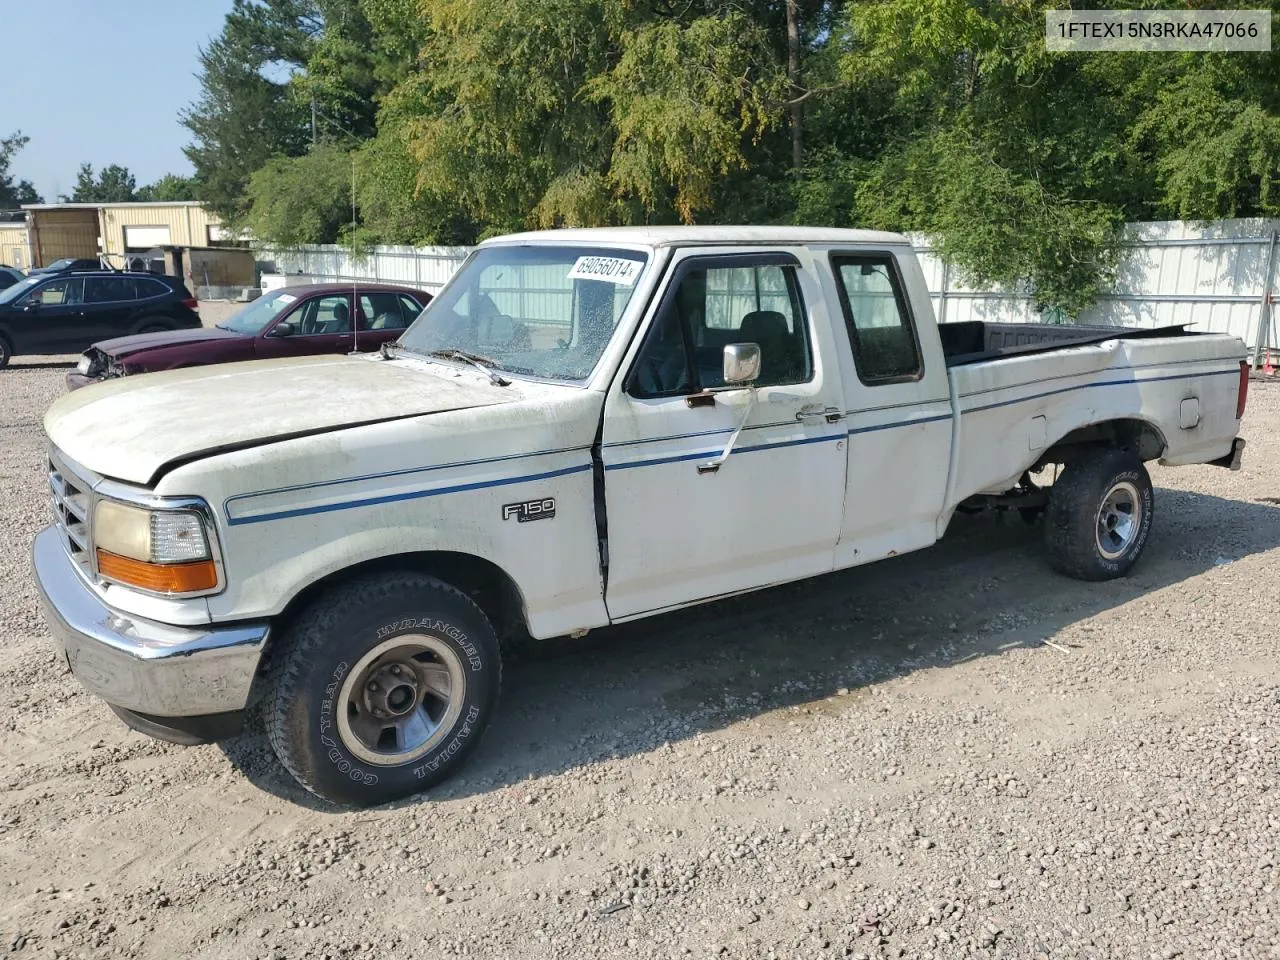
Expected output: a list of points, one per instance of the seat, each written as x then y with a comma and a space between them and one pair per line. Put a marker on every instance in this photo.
340, 322
768, 328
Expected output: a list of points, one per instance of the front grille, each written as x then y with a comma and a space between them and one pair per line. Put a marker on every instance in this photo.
72, 502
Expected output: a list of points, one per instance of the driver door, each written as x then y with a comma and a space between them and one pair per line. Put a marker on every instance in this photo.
678, 530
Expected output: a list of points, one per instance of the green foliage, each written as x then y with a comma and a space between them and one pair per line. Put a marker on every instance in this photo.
687, 101
397, 205
946, 117
13, 195
300, 200
170, 188
1212, 132
244, 117
114, 184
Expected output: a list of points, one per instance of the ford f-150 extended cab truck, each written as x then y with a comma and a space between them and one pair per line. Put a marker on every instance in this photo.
585, 427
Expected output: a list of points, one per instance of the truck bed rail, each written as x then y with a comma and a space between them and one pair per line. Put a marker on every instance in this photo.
974, 341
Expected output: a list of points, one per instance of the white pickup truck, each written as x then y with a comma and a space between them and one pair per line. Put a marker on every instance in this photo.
585, 427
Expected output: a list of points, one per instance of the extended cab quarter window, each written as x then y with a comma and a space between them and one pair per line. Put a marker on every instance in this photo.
885, 348
714, 306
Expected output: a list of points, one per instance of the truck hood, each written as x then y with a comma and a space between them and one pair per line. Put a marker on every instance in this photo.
131, 428
119, 347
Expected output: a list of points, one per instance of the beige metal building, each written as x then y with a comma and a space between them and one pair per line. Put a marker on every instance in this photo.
13, 245
55, 230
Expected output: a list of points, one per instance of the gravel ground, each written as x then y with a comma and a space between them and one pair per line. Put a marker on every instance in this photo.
888, 762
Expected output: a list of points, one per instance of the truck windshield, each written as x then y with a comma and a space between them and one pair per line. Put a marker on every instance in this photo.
541, 311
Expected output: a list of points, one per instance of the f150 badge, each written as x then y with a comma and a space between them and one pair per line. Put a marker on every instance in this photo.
530, 510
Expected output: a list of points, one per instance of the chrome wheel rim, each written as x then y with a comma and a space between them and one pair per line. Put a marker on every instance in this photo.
401, 699
1119, 520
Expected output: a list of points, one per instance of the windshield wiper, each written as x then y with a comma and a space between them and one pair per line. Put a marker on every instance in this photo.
476, 360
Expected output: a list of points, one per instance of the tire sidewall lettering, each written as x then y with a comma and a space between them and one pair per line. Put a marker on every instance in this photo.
468, 723
438, 627
1123, 562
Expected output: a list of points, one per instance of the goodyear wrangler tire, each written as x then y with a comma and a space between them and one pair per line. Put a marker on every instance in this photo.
1099, 516
382, 688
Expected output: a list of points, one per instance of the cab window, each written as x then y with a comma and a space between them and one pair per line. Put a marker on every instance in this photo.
713, 305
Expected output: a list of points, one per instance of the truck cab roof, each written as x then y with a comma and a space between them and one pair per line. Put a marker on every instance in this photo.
668, 236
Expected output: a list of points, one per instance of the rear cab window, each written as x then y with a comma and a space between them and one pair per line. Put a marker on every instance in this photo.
882, 331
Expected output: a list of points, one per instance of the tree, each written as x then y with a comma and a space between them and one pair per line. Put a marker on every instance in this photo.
114, 184
301, 200
170, 188
556, 111
13, 195
947, 117
243, 117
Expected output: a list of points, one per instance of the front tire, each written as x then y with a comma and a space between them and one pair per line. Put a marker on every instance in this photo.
1099, 516
382, 688
6, 352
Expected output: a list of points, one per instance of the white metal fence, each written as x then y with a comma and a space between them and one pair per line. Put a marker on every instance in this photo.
1214, 277
425, 267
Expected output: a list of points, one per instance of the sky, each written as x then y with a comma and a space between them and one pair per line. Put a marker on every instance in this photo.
99, 82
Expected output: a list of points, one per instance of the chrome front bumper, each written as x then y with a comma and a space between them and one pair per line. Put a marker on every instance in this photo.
139, 665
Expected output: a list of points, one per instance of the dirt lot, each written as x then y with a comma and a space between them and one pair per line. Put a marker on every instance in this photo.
887, 762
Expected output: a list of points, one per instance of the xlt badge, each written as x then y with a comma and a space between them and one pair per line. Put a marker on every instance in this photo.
530, 510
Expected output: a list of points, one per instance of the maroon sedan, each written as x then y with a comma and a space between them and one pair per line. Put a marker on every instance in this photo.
292, 322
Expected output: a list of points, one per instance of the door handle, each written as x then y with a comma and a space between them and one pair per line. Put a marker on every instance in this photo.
813, 411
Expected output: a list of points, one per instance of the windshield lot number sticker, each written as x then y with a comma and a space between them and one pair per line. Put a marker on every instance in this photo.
610, 269
530, 510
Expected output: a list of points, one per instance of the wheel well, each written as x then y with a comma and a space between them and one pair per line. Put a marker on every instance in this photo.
1137, 436
484, 582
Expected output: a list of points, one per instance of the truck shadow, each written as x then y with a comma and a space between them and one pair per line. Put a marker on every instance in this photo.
985, 589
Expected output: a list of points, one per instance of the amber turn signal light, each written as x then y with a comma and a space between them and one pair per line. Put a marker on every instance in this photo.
158, 577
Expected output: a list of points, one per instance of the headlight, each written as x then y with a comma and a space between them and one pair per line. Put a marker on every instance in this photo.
82, 367
164, 551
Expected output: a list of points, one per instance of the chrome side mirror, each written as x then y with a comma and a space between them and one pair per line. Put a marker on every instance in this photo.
741, 363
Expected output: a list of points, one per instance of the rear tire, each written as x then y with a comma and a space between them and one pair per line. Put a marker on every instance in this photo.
382, 688
1099, 516
6, 351
154, 328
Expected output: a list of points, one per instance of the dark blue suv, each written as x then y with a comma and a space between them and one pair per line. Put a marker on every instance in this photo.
64, 313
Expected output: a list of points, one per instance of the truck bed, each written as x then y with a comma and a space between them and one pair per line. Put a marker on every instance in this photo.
974, 341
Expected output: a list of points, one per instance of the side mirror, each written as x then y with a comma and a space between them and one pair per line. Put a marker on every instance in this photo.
284, 329
30, 304
741, 363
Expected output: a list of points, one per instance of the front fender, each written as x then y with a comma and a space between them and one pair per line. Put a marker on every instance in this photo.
271, 558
